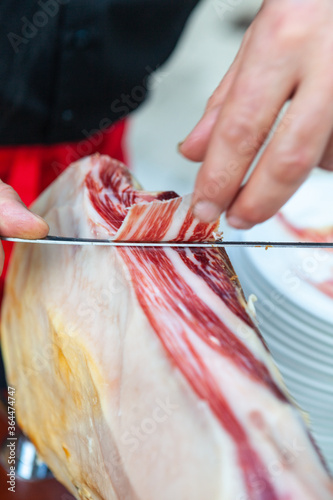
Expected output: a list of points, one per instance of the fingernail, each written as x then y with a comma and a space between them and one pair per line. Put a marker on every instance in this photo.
238, 223
38, 217
42, 230
206, 211
179, 145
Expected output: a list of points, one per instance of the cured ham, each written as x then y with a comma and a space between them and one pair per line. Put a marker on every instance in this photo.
139, 372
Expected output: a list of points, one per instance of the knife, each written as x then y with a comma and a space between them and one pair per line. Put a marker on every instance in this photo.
59, 240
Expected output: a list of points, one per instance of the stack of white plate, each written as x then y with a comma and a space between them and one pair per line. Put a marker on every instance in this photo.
295, 317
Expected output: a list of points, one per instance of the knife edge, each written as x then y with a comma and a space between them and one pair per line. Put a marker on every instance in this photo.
59, 240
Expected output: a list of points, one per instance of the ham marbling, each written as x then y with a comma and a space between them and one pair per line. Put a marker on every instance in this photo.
140, 373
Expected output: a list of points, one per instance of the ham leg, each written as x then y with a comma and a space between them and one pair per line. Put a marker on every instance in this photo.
139, 372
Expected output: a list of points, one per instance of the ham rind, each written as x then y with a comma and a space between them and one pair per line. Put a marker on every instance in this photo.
139, 372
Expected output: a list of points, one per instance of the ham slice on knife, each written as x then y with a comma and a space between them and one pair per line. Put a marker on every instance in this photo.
139, 372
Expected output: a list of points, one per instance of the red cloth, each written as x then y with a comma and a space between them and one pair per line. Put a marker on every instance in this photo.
30, 169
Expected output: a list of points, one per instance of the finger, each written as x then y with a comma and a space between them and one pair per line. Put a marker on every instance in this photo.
195, 145
15, 219
326, 162
288, 159
257, 95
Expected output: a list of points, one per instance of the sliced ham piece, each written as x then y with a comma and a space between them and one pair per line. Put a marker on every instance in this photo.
139, 372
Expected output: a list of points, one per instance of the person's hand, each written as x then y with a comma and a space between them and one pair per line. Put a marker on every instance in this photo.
16, 220
286, 54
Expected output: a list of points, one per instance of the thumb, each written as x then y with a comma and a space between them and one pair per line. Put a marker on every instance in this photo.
15, 218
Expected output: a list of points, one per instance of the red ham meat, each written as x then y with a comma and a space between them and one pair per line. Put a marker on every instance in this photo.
139, 372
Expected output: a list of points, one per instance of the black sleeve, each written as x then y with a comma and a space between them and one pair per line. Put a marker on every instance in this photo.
69, 67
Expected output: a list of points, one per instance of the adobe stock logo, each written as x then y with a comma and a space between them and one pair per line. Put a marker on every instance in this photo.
30, 27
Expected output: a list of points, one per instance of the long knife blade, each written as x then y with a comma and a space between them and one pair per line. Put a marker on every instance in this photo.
58, 240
